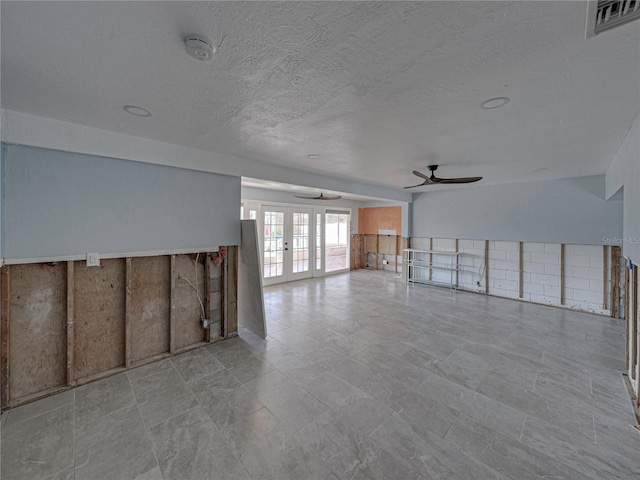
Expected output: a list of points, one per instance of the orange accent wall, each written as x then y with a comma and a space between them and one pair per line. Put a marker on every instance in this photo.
373, 219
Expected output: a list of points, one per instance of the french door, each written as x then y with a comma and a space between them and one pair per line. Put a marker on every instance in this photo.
286, 243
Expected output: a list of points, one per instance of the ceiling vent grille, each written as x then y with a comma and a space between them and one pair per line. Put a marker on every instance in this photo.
604, 15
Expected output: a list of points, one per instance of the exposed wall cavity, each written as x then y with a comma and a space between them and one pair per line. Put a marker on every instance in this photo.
67, 324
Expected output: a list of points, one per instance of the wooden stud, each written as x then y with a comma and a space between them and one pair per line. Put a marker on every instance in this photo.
605, 277
172, 312
627, 324
457, 264
562, 274
71, 366
395, 252
634, 323
615, 282
229, 293
207, 294
520, 270
127, 314
486, 266
4, 331
430, 256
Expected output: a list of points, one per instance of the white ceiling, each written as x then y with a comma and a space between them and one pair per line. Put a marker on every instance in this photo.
378, 89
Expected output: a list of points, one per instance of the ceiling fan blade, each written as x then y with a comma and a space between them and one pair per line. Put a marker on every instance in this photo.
319, 197
419, 185
458, 180
421, 175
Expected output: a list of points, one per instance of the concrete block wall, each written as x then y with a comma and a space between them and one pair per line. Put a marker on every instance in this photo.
504, 267
584, 282
541, 271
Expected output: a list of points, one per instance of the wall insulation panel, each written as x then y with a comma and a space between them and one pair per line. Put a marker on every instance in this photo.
37, 342
99, 302
150, 306
188, 312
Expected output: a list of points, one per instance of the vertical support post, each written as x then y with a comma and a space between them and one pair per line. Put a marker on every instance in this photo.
605, 277
457, 264
127, 314
207, 294
615, 282
71, 366
377, 251
634, 323
395, 252
430, 256
4, 329
562, 274
627, 315
172, 311
230, 294
486, 266
520, 270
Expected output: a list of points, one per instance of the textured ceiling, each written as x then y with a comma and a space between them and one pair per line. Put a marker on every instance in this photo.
378, 89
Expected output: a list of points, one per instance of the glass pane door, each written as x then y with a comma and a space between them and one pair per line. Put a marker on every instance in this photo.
273, 245
336, 236
300, 243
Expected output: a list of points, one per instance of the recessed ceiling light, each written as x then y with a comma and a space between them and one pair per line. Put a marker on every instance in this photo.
495, 102
137, 111
313, 156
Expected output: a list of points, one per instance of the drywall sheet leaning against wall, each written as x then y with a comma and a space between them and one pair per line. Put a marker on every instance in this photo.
250, 296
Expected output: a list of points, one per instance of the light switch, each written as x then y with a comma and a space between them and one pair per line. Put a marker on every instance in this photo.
93, 260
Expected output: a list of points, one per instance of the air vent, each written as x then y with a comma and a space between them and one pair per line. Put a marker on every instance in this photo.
604, 15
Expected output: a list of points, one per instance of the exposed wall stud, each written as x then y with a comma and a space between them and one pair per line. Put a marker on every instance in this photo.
605, 277
520, 270
127, 314
627, 316
4, 328
634, 323
562, 274
207, 294
172, 313
615, 282
457, 264
430, 256
486, 266
71, 373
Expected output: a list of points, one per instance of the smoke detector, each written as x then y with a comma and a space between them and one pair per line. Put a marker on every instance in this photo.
199, 47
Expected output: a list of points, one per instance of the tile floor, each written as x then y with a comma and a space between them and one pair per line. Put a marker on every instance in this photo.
361, 377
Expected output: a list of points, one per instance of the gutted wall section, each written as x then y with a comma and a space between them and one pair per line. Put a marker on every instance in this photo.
67, 324
572, 276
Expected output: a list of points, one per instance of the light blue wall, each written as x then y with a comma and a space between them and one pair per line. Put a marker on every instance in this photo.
624, 172
555, 211
2, 200
59, 204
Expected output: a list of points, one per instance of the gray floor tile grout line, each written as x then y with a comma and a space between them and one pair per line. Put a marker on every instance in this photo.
146, 429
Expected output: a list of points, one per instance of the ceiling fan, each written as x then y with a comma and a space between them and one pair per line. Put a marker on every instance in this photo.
433, 180
320, 197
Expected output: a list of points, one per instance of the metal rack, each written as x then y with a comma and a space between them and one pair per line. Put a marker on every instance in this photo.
420, 265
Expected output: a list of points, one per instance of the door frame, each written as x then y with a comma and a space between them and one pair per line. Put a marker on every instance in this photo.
315, 210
